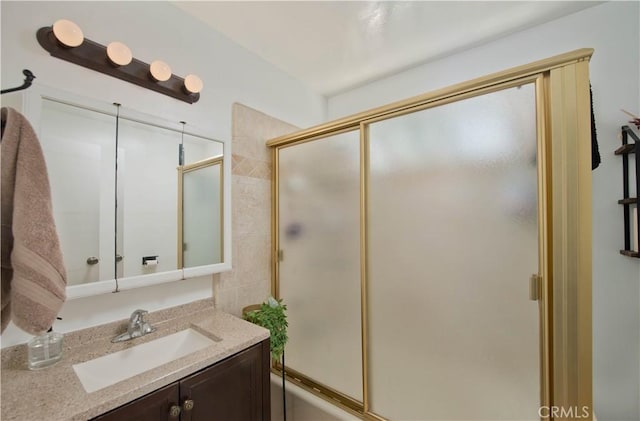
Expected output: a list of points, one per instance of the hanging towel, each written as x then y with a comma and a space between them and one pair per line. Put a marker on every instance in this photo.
33, 274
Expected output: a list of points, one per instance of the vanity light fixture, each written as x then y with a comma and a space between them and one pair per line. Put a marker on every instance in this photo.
68, 33
65, 40
160, 70
119, 54
193, 84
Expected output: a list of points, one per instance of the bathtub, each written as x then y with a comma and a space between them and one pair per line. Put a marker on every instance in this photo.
303, 405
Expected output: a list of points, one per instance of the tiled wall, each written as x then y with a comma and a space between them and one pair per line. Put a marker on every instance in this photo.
249, 282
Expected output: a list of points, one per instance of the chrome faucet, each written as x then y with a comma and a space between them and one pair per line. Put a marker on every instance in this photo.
137, 327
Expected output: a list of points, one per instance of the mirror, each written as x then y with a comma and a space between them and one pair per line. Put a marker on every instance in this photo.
147, 223
137, 200
79, 151
200, 223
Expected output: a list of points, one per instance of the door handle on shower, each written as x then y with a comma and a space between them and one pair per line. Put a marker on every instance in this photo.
534, 287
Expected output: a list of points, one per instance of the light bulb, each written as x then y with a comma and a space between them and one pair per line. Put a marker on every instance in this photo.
193, 84
68, 33
160, 70
119, 54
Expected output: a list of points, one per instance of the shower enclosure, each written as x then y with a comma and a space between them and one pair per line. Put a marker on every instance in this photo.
434, 254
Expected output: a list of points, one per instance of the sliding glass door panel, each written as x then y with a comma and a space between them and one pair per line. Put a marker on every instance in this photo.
452, 240
319, 238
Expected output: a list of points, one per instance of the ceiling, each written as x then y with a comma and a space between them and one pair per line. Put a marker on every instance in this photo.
333, 46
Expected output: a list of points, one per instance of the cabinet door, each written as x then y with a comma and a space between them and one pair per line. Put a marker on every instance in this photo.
232, 390
155, 406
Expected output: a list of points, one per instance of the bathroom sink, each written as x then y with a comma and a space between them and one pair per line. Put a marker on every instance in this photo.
107, 370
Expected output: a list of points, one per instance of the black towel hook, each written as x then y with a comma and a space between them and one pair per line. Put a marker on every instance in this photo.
27, 82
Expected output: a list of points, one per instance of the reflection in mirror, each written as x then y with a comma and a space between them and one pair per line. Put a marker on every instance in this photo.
79, 151
201, 179
201, 213
197, 148
147, 190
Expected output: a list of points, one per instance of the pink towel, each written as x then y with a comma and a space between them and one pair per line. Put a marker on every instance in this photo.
33, 274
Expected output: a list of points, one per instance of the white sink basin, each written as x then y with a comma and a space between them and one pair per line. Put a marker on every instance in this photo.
112, 368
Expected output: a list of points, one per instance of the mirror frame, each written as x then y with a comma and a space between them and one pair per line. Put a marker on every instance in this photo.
32, 101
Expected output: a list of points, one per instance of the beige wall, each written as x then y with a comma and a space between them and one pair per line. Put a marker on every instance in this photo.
249, 282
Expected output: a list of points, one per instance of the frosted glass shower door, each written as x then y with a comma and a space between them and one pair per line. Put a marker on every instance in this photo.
319, 239
452, 241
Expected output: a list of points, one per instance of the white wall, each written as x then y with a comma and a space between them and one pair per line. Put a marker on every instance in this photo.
612, 29
153, 30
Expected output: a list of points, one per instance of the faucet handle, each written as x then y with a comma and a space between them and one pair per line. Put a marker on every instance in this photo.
138, 315
136, 323
137, 327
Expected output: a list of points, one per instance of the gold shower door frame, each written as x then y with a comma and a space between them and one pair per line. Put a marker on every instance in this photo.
564, 224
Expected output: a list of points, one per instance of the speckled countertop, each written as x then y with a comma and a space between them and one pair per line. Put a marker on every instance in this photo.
55, 393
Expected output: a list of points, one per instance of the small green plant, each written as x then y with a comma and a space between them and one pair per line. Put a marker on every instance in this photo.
271, 315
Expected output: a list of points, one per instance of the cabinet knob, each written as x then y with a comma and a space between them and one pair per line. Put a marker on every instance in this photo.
174, 411
188, 405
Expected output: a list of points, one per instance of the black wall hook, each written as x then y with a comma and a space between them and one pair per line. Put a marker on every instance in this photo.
28, 80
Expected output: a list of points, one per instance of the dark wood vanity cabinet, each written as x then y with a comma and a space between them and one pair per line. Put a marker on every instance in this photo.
152, 407
234, 389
